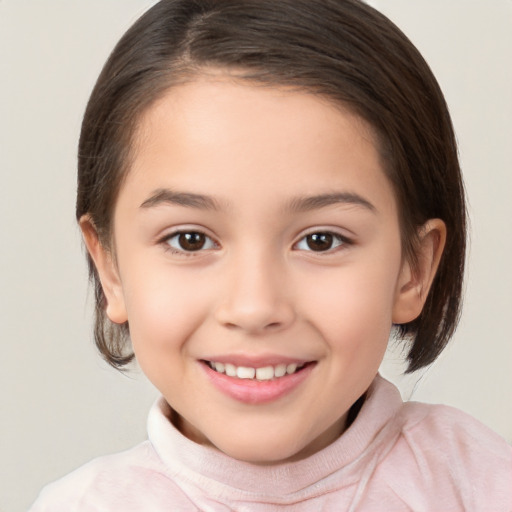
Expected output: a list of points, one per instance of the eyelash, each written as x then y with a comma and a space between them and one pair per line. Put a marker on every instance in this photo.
166, 241
331, 237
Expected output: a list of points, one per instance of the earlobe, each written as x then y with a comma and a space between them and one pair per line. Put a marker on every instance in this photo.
415, 280
107, 271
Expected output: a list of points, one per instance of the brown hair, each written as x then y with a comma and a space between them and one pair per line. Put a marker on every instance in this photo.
343, 50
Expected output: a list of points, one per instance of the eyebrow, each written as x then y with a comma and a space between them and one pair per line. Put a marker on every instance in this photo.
307, 203
167, 196
298, 204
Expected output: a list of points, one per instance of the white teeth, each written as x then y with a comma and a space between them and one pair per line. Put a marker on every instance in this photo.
262, 374
280, 370
230, 370
219, 367
245, 373
265, 373
291, 368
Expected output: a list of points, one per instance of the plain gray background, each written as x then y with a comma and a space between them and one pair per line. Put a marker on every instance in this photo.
59, 404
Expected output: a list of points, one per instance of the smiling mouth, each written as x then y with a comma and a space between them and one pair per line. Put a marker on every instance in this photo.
265, 373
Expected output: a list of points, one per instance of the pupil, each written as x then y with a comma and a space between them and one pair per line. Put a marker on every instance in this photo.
319, 241
192, 241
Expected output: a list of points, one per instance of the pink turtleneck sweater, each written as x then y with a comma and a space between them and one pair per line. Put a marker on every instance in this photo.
395, 457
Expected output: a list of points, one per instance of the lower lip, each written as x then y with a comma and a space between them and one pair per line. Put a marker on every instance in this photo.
252, 391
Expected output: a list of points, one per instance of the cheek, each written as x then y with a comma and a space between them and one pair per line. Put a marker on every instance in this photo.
163, 308
353, 306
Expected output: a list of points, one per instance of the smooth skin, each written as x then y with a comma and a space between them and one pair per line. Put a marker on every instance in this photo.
257, 222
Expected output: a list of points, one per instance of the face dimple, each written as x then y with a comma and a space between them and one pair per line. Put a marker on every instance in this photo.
302, 267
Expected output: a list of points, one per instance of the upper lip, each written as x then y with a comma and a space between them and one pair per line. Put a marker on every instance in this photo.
255, 361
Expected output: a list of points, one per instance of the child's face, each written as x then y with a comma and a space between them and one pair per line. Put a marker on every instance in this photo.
256, 228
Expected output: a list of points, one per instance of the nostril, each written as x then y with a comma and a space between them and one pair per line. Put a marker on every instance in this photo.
270, 326
255, 316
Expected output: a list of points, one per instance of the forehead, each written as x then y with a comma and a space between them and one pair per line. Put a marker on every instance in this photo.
217, 96
225, 137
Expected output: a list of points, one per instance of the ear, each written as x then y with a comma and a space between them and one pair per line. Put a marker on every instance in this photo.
107, 271
414, 282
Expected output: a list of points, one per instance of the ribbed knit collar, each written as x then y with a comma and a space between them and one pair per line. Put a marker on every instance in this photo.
341, 464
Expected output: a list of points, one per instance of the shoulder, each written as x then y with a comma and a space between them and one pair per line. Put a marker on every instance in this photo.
436, 426
447, 450
110, 482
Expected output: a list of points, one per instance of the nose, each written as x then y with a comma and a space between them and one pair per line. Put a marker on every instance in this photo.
255, 297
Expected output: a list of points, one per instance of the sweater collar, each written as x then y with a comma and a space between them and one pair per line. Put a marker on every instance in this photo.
344, 460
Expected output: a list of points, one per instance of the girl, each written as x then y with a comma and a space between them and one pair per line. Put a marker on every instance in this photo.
268, 190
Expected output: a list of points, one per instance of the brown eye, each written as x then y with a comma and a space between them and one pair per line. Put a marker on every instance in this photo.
190, 241
321, 241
